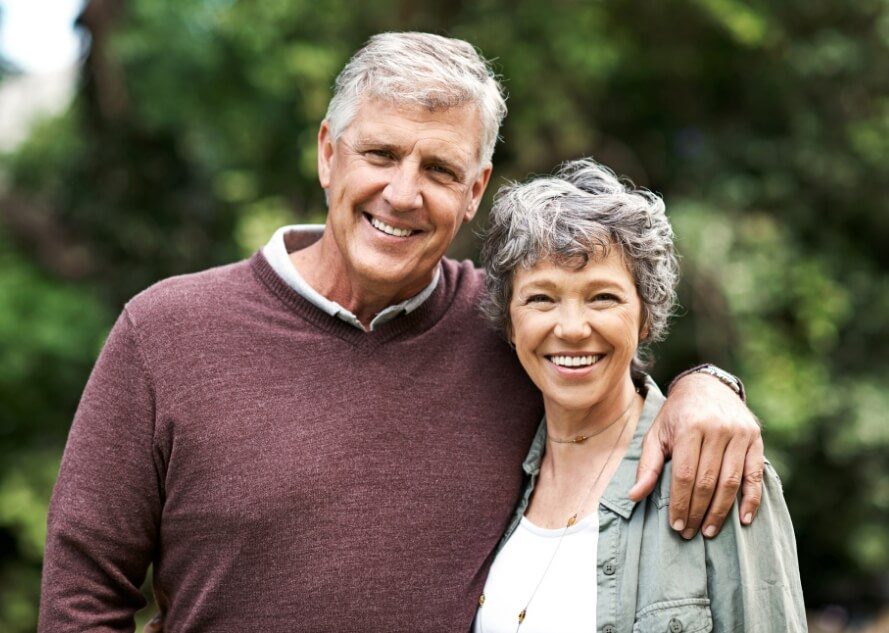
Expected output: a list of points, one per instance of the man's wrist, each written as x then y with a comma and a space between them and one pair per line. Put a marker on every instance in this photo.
729, 380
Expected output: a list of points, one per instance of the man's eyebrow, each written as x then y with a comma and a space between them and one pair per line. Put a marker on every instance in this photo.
367, 141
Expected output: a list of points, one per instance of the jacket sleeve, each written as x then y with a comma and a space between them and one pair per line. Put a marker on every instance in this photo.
752, 571
105, 508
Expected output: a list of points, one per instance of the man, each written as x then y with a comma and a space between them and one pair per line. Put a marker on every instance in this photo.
327, 437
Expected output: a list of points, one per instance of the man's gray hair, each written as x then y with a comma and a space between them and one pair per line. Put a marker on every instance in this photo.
432, 71
579, 213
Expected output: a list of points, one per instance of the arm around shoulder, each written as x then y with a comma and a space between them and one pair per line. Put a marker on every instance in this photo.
105, 508
752, 570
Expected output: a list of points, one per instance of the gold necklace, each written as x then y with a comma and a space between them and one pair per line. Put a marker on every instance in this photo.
580, 439
571, 521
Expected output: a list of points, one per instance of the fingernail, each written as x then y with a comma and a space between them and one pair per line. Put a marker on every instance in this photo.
748, 518
710, 532
688, 534
678, 525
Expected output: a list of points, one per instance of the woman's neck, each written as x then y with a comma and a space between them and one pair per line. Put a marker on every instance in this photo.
573, 476
564, 422
602, 423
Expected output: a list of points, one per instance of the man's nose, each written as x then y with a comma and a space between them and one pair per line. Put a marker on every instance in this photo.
573, 323
403, 191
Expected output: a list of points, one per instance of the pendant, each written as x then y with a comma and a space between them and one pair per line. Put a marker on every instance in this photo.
572, 520
522, 616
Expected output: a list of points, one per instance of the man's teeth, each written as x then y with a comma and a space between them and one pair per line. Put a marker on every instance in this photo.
575, 361
391, 230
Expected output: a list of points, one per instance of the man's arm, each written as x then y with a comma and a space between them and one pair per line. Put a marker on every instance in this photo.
716, 448
105, 508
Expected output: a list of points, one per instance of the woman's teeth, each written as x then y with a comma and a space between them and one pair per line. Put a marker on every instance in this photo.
389, 230
575, 361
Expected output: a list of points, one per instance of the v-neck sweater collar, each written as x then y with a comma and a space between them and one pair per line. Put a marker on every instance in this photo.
421, 319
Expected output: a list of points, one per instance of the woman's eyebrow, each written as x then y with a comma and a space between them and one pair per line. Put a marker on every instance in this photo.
537, 283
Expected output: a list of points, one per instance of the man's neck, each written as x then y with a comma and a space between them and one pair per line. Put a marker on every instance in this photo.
324, 272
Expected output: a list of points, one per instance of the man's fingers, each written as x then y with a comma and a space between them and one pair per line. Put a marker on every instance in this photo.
751, 488
727, 488
707, 475
651, 464
685, 468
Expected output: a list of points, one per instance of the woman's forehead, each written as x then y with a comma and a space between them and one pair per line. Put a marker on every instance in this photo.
599, 265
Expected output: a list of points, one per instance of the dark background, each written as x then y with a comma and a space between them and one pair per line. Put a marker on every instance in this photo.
765, 126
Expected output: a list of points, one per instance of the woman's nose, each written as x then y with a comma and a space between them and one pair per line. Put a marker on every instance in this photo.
573, 324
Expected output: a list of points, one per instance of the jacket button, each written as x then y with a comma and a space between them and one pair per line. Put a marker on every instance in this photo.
609, 629
609, 568
675, 626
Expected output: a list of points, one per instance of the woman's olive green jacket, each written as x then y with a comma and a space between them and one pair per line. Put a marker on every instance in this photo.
651, 580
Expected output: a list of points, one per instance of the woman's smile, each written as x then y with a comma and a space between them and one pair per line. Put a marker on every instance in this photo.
573, 365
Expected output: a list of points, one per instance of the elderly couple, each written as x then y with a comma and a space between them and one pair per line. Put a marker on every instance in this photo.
331, 437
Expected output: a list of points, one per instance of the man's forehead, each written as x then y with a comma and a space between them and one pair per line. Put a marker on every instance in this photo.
453, 132
406, 143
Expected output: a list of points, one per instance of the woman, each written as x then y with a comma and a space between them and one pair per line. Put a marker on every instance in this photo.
581, 271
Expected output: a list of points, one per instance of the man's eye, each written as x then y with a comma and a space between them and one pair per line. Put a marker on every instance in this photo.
379, 154
441, 170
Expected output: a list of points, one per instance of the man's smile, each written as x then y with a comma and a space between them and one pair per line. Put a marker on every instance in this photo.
388, 229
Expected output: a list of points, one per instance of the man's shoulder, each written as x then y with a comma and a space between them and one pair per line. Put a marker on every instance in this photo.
192, 294
467, 278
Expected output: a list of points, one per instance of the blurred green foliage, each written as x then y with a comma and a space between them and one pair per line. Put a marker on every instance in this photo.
765, 125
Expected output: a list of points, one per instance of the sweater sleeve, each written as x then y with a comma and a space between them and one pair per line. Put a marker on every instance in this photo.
105, 508
752, 571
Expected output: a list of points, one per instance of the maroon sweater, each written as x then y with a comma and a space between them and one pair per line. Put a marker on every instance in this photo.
283, 470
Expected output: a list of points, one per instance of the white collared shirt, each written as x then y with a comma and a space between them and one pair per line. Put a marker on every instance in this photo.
275, 251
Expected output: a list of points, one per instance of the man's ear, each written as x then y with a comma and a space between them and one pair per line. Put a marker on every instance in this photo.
325, 153
478, 190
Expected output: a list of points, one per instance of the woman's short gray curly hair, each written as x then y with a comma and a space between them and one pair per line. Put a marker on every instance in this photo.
569, 216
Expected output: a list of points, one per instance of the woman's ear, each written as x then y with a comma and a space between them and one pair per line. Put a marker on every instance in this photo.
645, 330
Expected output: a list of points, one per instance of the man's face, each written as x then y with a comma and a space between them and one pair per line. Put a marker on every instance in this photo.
400, 182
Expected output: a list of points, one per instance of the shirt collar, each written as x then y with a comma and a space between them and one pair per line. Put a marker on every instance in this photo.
615, 496
276, 253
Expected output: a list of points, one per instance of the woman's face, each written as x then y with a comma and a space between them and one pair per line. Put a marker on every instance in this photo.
576, 330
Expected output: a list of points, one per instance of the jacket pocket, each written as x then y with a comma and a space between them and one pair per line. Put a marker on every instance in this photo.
675, 616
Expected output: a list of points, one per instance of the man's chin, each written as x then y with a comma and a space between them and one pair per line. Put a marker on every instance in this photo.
395, 278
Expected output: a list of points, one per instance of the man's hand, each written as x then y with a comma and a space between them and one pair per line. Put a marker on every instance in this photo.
716, 447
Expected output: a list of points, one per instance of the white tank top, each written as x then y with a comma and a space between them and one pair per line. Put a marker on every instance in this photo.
566, 599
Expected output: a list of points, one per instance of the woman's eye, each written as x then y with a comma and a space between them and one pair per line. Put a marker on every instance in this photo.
538, 299
606, 297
